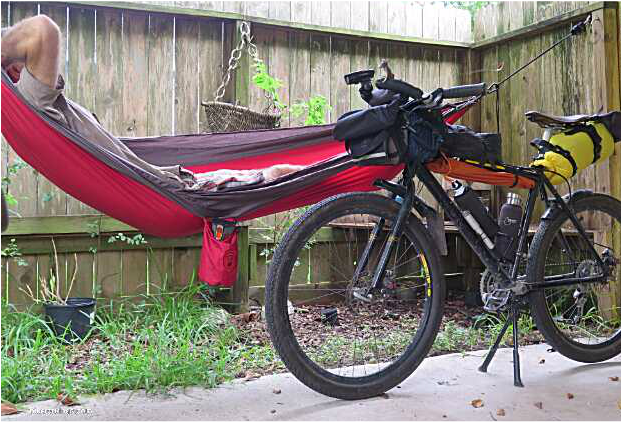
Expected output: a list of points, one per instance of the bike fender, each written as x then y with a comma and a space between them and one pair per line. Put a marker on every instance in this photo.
434, 223
578, 194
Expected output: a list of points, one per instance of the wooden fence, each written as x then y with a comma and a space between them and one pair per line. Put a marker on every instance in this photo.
144, 68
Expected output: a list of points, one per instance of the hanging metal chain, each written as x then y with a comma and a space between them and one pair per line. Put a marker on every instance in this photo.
234, 60
246, 40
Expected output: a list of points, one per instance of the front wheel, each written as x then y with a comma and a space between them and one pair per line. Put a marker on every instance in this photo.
581, 321
331, 333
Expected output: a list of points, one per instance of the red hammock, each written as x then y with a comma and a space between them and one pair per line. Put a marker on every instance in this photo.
115, 187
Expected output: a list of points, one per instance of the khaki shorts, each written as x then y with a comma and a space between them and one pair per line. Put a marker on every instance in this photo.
40, 95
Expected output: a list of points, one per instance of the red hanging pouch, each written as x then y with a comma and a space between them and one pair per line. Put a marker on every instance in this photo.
219, 255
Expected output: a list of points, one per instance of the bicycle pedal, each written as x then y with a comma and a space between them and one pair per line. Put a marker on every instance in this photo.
494, 303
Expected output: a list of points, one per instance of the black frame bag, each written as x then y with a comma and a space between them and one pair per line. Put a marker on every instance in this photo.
463, 143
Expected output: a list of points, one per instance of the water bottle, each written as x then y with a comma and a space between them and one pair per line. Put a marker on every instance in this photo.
475, 213
506, 240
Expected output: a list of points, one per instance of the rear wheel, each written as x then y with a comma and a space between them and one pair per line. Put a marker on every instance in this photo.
580, 321
329, 332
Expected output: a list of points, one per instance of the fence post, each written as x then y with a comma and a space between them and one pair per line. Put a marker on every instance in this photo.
239, 293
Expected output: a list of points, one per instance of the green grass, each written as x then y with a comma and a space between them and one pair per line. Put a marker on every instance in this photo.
164, 342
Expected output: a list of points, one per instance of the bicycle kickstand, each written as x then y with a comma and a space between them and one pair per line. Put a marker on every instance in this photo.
514, 313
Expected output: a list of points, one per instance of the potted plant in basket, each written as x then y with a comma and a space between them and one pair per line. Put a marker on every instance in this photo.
71, 317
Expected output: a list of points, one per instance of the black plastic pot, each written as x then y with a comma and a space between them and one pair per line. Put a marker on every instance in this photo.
72, 320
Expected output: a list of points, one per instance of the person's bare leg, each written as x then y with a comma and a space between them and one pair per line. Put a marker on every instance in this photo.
36, 42
279, 170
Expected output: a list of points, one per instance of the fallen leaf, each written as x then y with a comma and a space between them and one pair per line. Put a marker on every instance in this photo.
541, 361
276, 391
477, 403
66, 400
273, 411
614, 379
570, 396
444, 416
538, 404
500, 412
9, 409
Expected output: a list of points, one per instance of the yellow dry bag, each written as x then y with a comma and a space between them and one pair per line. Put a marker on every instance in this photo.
574, 149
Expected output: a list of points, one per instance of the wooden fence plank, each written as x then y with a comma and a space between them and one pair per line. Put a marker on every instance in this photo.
211, 64
396, 17
109, 274
161, 79
447, 24
320, 68
160, 269
464, 31
378, 16
280, 63
430, 15
185, 266
134, 274
234, 6
320, 13
258, 8
300, 85
264, 38
359, 16
340, 14
358, 61
280, 10
340, 65
135, 85
414, 19
301, 11
186, 81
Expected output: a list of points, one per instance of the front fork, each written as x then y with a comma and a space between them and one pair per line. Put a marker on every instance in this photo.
407, 196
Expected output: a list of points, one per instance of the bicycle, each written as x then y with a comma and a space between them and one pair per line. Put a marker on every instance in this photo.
386, 285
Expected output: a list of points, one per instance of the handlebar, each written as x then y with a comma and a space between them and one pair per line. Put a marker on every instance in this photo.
463, 91
388, 90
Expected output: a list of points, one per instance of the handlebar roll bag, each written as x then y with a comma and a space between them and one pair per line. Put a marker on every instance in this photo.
385, 148
363, 123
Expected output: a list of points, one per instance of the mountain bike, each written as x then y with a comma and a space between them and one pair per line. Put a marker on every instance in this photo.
364, 314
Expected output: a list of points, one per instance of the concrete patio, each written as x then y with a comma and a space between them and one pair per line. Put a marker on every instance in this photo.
443, 388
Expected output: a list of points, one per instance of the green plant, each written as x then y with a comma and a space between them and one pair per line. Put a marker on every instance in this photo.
13, 251
263, 80
130, 240
50, 284
315, 108
11, 170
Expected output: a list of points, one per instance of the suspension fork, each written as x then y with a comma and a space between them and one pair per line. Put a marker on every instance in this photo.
396, 231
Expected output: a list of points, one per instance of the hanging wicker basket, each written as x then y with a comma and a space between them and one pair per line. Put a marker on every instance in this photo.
225, 117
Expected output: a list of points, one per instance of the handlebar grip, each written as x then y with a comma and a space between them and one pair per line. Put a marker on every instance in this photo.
381, 96
400, 87
464, 91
